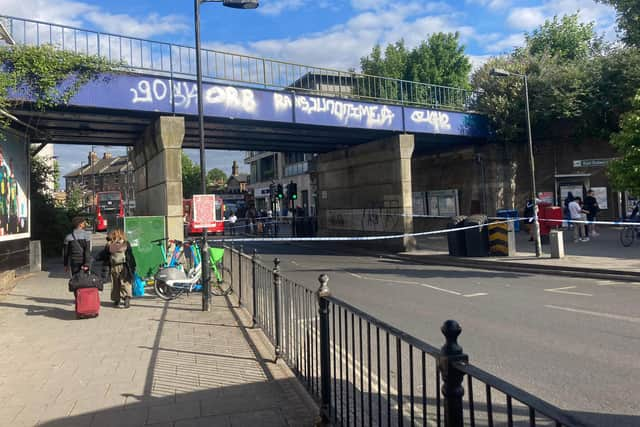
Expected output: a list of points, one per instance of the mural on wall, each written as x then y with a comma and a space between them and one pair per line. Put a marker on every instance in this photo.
14, 181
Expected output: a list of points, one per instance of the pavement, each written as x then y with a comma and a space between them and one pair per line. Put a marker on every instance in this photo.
157, 363
602, 257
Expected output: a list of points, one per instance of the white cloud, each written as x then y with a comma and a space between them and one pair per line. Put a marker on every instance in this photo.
528, 18
478, 61
75, 13
492, 4
276, 7
146, 27
506, 43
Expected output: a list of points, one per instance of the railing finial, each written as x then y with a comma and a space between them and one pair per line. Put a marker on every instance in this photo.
451, 331
323, 290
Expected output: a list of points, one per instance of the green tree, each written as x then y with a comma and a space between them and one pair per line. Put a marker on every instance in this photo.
628, 19
190, 177
74, 199
216, 177
625, 172
40, 71
565, 38
439, 60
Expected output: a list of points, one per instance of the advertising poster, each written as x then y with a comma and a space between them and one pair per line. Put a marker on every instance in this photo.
14, 187
204, 210
600, 193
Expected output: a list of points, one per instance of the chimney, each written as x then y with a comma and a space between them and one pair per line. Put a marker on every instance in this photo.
234, 169
93, 158
106, 155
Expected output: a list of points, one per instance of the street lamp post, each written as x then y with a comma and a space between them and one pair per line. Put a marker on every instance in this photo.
237, 4
497, 72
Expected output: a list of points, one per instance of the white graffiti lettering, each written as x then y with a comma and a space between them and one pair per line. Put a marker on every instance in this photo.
185, 95
438, 119
375, 116
231, 97
281, 102
142, 93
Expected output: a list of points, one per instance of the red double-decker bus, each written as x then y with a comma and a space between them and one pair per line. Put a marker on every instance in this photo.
109, 207
218, 224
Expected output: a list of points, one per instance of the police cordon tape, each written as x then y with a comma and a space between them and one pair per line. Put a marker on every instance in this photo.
354, 238
579, 221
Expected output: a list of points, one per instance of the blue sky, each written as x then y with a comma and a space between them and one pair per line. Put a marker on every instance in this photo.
314, 32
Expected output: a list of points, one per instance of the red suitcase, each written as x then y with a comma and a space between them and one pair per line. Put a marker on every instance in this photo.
87, 303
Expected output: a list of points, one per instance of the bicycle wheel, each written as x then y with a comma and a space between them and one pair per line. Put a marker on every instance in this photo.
165, 291
218, 286
627, 236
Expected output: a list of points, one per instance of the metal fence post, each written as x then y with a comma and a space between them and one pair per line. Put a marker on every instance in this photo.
452, 389
240, 275
231, 267
277, 281
254, 297
325, 353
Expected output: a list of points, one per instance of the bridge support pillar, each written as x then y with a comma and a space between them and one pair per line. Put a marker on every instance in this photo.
157, 158
366, 190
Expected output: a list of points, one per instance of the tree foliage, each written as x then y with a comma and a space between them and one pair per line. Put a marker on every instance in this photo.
439, 60
574, 78
628, 12
49, 223
45, 75
216, 177
190, 178
565, 38
625, 172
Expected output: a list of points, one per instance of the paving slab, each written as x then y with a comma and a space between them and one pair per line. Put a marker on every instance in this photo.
157, 363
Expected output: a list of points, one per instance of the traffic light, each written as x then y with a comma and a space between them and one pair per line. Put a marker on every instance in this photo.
292, 191
280, 192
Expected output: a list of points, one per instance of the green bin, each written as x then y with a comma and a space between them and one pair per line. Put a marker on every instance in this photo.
141, 232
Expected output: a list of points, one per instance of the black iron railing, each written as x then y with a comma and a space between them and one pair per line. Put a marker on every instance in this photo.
365, 372
178, 61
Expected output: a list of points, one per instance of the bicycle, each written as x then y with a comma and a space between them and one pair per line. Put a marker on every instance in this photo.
172, 280
628, 235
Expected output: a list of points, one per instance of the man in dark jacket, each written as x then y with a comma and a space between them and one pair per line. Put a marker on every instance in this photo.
77, 247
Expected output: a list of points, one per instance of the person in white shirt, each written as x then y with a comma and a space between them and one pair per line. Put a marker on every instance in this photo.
232, 223
577, 214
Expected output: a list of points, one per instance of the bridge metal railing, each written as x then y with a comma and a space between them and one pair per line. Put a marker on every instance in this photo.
364, 371
179, 61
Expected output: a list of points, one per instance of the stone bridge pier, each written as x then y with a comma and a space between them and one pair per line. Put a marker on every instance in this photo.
366, 190
158, 173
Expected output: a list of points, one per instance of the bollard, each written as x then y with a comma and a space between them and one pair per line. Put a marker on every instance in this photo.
277, 281
240, 275
325, 352
254, 303
452, 389
556, 241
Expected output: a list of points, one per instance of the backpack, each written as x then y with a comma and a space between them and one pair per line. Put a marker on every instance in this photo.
118, 258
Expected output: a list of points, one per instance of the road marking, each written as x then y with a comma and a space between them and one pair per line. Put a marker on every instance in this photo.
597, 314
294, 263
479, 294
407, 282
616, 283
564, 291
440, 289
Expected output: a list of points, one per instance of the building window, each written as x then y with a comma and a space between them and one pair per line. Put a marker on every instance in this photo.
296, 169
443, 203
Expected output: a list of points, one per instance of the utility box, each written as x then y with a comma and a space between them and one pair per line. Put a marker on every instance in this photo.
141, 233
455, 239
510, 214
556, 240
